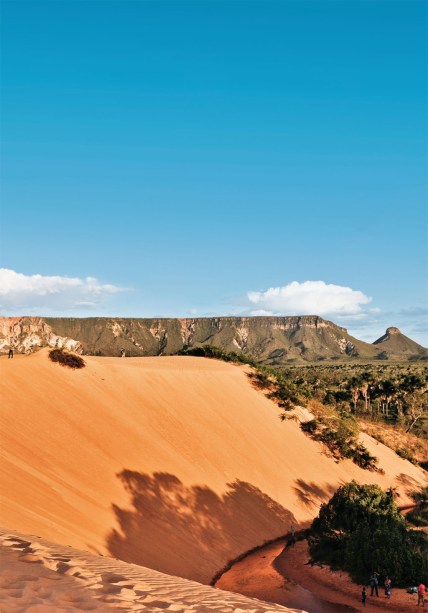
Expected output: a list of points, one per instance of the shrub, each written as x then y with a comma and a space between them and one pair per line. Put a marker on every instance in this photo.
340, 435
260, 380
210, 351
420, 496
64, 358
361, 530
406, 455
309, 427
418, 517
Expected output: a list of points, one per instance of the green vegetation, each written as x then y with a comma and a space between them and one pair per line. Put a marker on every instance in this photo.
209, 351
339, 431
391, 394
360, 530
64, 358
388, 401
340, 435
419, 515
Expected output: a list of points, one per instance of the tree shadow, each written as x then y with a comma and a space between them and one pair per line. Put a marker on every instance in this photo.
311, 494
191, 531
409, 483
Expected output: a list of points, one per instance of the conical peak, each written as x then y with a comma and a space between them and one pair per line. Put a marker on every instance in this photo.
393, 330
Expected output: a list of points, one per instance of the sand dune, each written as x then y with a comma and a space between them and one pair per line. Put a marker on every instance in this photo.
41, 577
174, 463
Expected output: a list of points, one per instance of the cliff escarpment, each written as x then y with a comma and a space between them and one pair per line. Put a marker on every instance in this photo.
272, 340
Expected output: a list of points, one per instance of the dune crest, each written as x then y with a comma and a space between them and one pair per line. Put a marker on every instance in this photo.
40, 577
175, 463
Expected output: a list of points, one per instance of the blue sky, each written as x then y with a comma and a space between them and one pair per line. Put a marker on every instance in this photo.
189, 156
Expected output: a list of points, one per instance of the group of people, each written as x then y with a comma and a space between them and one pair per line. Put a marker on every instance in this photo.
374, 586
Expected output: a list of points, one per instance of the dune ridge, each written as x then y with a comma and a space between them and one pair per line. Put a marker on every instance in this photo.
39, 576
174, 463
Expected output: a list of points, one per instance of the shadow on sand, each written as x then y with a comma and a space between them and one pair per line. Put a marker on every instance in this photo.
191, 531
311, 494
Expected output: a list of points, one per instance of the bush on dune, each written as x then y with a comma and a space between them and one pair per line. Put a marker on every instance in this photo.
210, 351
361, 530
340, 435
64, 358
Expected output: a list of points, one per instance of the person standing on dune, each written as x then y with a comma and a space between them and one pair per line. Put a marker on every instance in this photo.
10, 355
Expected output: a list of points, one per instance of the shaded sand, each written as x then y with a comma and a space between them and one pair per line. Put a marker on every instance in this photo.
175, 463
41, 577
257, 576
337, 586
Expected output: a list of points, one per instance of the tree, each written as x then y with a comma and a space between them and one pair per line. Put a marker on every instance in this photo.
361, 530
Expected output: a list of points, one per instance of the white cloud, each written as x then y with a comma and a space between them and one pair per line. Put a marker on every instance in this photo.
310, 298
261, 312
35, 293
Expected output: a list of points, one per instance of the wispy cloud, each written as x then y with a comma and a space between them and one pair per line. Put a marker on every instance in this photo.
310, 298
39, 293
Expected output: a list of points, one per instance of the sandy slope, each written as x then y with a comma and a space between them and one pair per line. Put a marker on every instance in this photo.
336, 586
282, 575
42, 577
206, 469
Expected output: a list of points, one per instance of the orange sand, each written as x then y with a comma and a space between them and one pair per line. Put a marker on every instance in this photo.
210, 469
336, 586
270, 572
42, 577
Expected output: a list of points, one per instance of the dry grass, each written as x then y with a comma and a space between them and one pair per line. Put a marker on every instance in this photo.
407, 444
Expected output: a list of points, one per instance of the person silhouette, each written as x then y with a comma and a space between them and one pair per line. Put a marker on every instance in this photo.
374, 582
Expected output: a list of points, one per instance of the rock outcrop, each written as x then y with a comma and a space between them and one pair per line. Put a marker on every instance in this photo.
27, 334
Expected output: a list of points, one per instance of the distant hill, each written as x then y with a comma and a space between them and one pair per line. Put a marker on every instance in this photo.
394, 343
271, 340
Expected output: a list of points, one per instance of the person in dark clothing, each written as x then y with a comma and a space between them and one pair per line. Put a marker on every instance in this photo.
363, 596
10, 355
374, 582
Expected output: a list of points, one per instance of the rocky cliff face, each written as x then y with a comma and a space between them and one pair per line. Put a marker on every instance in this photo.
273, 340
26, 334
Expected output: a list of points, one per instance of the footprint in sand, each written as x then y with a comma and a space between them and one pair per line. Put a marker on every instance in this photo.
30, 557
18, 544
13, 592
157, 604
106, 588
112, 578
62, 568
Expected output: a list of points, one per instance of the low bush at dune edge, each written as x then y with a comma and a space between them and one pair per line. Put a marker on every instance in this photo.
340, 435
361, 530
64, 358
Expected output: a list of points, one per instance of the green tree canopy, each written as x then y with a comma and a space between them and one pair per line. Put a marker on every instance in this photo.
361, 530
